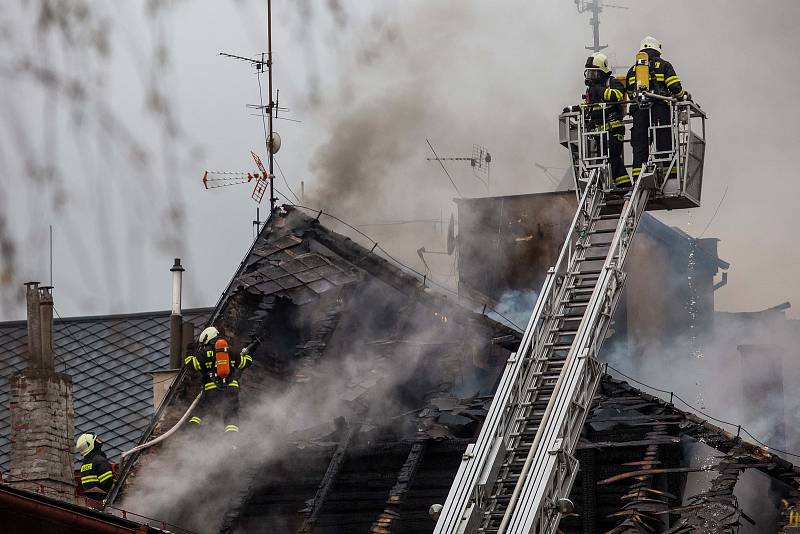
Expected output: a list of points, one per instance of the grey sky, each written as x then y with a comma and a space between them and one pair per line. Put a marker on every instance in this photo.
370, 81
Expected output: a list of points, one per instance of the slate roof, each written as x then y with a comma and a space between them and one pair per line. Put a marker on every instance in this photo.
109, 359
356, 473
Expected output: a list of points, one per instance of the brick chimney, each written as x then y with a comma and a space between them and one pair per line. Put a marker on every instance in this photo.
42, 416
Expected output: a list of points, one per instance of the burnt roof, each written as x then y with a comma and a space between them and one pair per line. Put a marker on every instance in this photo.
357, 473
302, 287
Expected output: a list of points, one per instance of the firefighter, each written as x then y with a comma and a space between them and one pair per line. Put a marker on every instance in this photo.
97, 476
603, 88
220, 370
664, 82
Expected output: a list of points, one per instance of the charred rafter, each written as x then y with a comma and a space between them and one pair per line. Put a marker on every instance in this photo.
645, 504
315, 506
391, 513
716, 510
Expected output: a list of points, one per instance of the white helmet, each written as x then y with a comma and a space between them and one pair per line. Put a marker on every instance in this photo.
85, 444
208, 334
598, 61
650, 43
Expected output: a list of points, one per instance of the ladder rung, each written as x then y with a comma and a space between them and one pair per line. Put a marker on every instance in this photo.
583, 290
566, 332
607, 217
589, 272
578, 301
594, 258
604, 231
591, 285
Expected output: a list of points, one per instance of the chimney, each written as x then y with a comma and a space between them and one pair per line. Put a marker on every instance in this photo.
46, 327
175, 320
34, 325
42, 415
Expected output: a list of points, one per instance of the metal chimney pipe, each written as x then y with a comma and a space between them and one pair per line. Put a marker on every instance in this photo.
34, 325
46, 326
175, 320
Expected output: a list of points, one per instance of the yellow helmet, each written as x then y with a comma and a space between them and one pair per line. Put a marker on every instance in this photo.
207, 335
85, 444
650, 43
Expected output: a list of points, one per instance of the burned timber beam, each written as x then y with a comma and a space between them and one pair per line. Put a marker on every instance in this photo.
391, 513
645, 504
325, 485
397, 495
716, 509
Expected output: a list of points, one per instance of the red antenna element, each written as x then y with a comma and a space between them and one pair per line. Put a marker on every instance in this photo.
261, 184
215, 179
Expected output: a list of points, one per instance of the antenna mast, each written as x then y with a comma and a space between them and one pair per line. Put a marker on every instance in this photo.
269, 111
595, 7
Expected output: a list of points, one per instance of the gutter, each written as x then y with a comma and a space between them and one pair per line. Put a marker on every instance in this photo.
57, 512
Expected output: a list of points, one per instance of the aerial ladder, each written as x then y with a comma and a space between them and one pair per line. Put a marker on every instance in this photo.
516, 478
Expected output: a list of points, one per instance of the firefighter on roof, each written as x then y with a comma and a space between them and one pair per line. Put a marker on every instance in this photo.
603, 88
97, 476
662, 81
220, 370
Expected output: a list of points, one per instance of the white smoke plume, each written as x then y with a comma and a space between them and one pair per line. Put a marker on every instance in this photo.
194, 480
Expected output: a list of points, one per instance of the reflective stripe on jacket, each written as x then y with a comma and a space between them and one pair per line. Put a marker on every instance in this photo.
204, 363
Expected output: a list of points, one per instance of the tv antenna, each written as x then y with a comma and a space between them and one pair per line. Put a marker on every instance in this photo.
547, 171
480, 160
272, 141
595, 7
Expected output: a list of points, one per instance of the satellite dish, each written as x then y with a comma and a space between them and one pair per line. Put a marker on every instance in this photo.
451, 236
275, 143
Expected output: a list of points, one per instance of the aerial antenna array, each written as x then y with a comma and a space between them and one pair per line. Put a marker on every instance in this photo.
265, 176
480, 161
595, 7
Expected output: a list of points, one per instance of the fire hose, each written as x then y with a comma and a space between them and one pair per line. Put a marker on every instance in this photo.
166, 434
185, 416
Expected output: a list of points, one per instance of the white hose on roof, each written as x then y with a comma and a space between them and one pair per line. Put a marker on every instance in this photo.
166, 434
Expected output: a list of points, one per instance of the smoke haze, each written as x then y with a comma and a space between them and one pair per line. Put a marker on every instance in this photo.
370, 84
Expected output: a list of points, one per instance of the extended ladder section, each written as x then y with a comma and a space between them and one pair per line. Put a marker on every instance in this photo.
517, 476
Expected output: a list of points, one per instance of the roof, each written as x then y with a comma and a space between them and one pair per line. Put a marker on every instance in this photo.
317, 297
382, 470
386, 483
108, 358
31, 512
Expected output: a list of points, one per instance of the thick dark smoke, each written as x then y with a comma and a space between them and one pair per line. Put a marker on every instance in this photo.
464, 73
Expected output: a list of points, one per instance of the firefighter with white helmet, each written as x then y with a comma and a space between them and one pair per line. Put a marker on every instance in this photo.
603, 105
219, 369
662, 81
97, 475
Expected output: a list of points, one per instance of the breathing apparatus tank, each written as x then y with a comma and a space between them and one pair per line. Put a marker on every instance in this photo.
222, 363
642, 70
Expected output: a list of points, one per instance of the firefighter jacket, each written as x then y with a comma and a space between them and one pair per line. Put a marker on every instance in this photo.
206, 363
663, 80
610, 91
96, 474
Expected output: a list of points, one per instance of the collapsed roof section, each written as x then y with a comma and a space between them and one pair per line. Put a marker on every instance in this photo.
418, 374
329, 308
637, 455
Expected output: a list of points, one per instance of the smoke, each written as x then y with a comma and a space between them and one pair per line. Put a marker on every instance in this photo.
517, 306
377, 348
